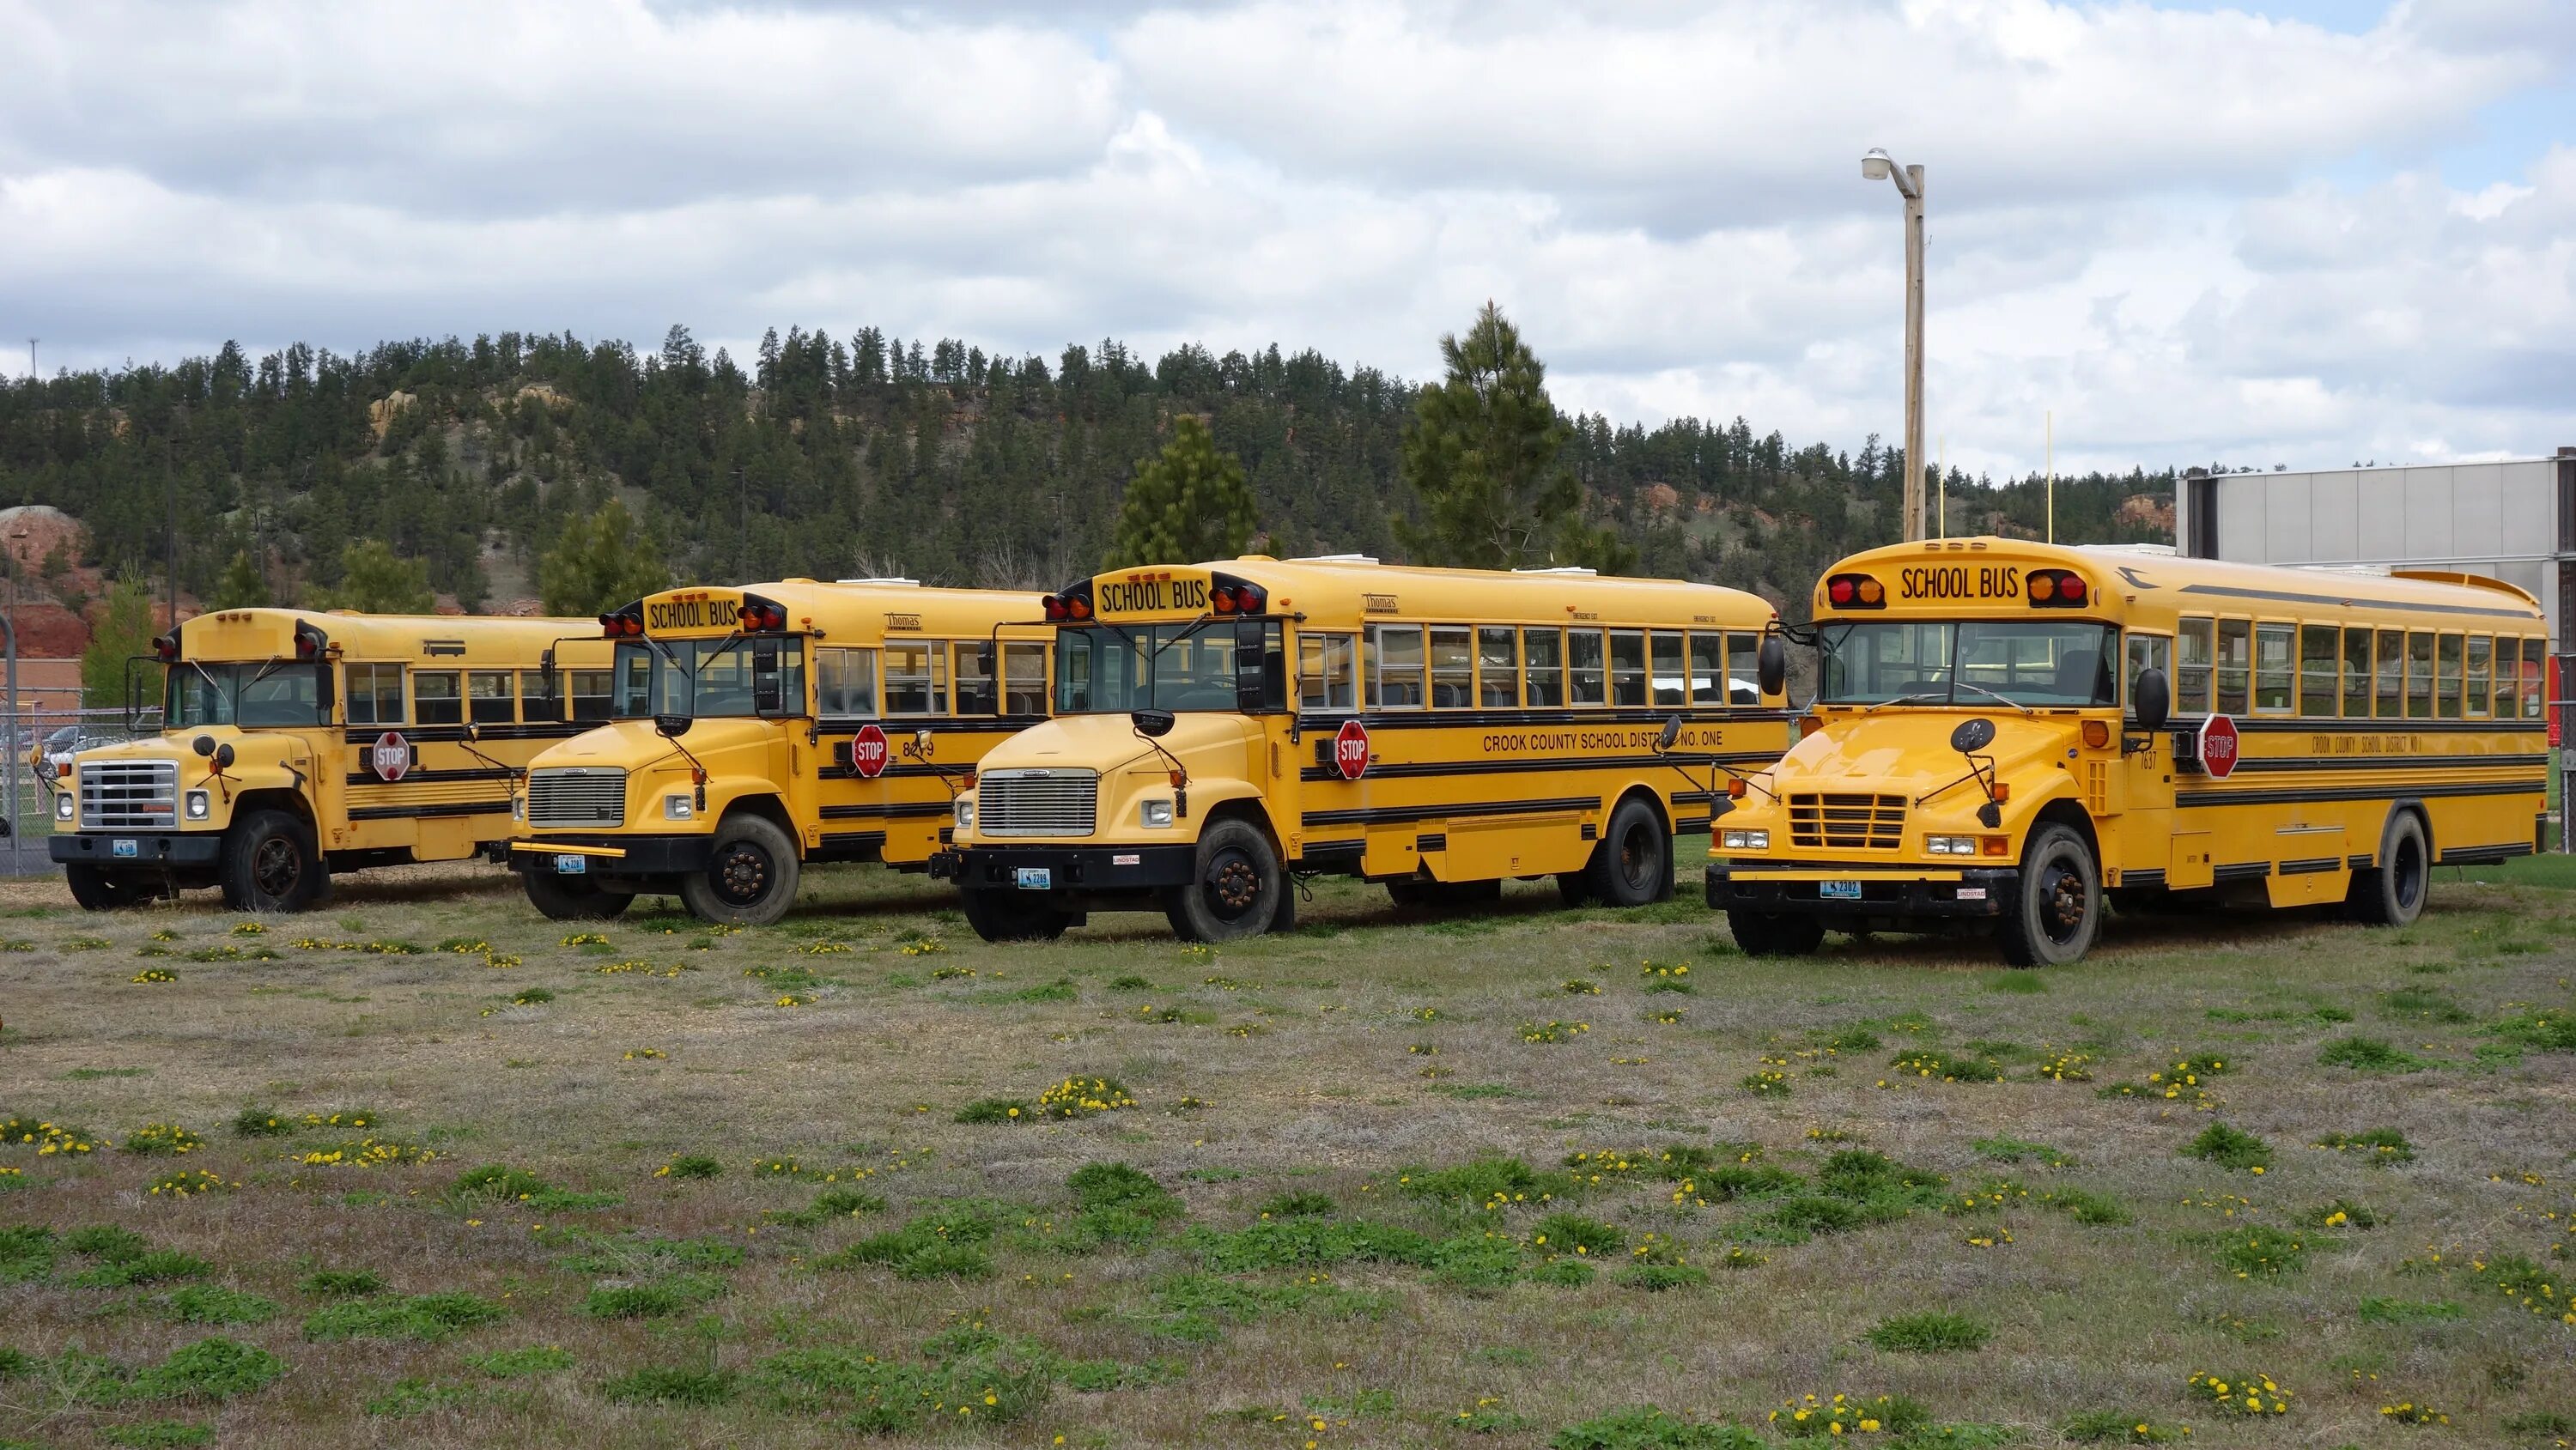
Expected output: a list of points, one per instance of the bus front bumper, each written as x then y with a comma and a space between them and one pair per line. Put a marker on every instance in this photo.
136, 848
1082, 869
1850, 892
613, 856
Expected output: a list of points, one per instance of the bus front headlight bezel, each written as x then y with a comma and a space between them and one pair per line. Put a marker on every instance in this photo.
1154, 815
1745, 840
63, 808
679, 806
1950, 845
200, 806
963, 811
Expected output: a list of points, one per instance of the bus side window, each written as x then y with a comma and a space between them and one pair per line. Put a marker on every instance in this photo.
2195, 655
1023, 678
2508, 679
975, 677
1325, 666
488, 697
375, 694
434, 698
1628, 667
1453, 668
2146, 652
2534, 668
1744, 667
1667, 678
2388, 700
1395, 674
1498, 668
2447, 679
916, 678
1542, 668
845, 683
2419, 675
1707, 668
2320, 648
1583, 663
2274, 667
2356, 674
2235, 665
537, 700
2481, 675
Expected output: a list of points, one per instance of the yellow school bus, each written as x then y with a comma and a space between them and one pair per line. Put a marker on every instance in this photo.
299, 743
2007, 733
757, 729
1223, 728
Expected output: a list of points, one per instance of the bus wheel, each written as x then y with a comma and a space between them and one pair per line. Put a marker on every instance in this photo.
571, 898
1633, 865
1236, 893
1770, 934
1005, 916
270, 863
2060, 907
2392, 892
751, 875
96, 890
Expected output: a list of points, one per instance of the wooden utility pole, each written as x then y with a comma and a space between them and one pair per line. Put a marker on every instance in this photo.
1876, 166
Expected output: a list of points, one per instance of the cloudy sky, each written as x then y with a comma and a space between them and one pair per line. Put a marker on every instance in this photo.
2292, 231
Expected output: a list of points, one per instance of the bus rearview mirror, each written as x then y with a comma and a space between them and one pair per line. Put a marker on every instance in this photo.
1153, 724
1672, 731
2152, 695
224, 756
672, 727
1772, 664
204, 745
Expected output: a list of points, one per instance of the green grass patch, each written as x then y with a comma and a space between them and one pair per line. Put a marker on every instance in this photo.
2019, 1150
2422, 1004
2380, 1147
1932, 1332
2538, 1031
2259, 1251
425, 1317
658, 1299
2229, 1148
342, 1283
2381, 1309
671, 1385
2369, 1054
213, 1304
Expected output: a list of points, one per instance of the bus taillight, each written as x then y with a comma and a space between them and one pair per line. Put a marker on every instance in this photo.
2057, 589
1855, 591
1053, 604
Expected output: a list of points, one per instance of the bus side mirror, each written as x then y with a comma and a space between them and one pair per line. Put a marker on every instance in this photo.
1153, 724
473, 733
1772, 664
1672, 731
224, 756
672, 727
204, 745
2151, 697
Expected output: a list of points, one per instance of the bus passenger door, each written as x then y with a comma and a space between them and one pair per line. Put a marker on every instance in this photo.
2155, 847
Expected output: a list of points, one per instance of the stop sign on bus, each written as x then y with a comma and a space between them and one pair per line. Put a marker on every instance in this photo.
2218, 746
868, 752
1351, 750
390, 756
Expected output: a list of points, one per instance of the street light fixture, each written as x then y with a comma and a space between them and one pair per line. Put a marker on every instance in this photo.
1877, 165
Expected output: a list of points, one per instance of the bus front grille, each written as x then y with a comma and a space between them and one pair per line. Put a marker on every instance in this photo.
126, 794
585, 797
1037, 802
1847, 822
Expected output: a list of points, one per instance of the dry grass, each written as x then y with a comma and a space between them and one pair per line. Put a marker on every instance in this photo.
1322, 1064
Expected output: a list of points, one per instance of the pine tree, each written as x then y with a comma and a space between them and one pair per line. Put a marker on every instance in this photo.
242, 587
600, 563
1482, 455
375, 580
124, 630
1186, 504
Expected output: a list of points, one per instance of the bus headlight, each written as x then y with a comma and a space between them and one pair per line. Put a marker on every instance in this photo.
1950, 845
1154, 815
62, 805
965, 811
1745, 841
678, 807
199, 806
518, 808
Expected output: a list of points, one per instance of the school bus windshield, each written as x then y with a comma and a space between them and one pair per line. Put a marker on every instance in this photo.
272, 696
1106, 669
704, 678
1942, 662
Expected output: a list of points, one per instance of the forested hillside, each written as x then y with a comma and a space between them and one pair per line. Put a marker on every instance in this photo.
834, 456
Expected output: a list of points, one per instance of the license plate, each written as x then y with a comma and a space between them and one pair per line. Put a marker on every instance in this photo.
1838, 890
124, 848
1035, 878
572, 865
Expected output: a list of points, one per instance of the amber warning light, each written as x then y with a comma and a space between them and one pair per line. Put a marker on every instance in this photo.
1855, 591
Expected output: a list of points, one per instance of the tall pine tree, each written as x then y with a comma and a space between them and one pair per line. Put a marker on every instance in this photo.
1186, 504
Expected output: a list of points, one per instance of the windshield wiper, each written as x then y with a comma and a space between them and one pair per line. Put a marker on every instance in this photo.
1919, 697
1992, 695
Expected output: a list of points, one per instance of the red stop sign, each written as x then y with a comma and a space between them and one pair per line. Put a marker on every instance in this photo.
868, 752
390, 756
1351, 750
2218, 746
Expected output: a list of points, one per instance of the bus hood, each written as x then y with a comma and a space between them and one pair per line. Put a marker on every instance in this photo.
1215, 745
1909, 752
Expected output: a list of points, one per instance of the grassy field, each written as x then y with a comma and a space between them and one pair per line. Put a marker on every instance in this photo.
458, 1177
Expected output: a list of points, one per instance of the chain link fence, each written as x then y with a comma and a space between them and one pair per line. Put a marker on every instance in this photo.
27, 782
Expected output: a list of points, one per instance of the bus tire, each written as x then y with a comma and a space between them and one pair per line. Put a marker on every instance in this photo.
98, 889
2392, 892
1237, 889
1633, 864
573, 898
751, 874
270, 862
1004, 916
2058, 910
1773, 934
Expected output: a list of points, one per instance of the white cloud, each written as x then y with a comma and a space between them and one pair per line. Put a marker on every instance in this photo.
2191, 236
